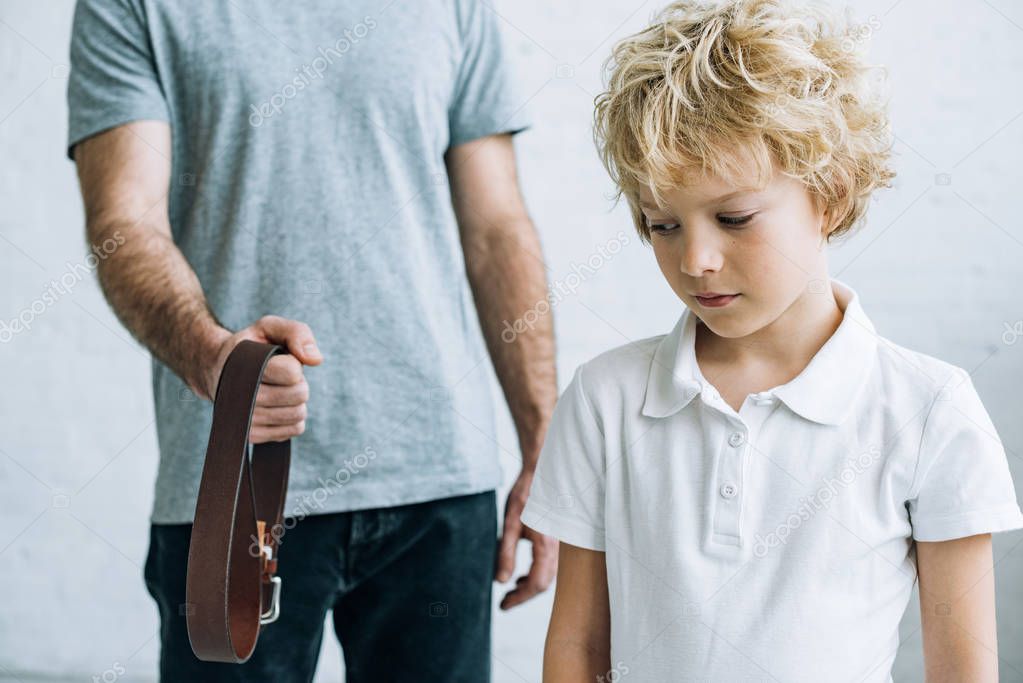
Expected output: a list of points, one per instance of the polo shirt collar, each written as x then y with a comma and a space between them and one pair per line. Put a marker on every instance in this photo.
823, 392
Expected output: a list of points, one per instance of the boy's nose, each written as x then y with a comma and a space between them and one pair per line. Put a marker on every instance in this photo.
700, 255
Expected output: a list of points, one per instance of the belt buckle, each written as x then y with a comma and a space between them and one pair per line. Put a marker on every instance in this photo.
271, 615
269, 566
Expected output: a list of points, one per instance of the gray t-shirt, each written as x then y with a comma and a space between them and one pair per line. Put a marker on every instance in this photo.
308, 182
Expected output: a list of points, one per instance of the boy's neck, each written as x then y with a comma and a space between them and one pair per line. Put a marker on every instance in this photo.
785, 345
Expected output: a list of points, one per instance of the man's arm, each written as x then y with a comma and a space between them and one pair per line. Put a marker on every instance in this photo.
957, 610
578, 644
505, 268
124, 175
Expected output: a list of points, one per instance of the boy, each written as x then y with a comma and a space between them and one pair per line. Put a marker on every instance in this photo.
752, 496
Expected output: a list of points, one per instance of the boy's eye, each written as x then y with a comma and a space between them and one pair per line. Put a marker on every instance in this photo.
735, 220
661, 228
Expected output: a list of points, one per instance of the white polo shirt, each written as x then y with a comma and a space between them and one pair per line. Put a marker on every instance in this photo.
772, 544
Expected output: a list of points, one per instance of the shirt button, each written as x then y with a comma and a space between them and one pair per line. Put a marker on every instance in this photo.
728, 490
765, 398
736, 439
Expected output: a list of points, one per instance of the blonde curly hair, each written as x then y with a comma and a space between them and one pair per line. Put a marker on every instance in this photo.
710, 86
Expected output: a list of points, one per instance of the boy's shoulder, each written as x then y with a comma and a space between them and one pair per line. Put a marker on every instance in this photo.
903, 372
623, 368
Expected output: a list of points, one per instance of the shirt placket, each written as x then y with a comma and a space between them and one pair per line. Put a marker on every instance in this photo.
731, 469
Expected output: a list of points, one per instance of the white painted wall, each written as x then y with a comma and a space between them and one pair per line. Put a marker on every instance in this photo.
939, 269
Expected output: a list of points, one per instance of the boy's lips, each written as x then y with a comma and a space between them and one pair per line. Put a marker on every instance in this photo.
714, 300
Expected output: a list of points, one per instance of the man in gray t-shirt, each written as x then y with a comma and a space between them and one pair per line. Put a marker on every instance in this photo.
337, 178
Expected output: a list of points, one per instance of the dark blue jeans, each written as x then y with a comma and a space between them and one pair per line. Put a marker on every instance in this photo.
409, 586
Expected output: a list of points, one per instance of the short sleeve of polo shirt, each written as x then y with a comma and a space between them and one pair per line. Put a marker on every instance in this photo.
962, 484
113, 77
486, 98
566, 499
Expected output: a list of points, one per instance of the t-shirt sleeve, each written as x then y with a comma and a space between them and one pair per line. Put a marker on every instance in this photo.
566, 498
486, 98
962, 484
113, 78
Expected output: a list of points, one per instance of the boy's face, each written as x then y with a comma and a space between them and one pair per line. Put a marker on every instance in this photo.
764, 246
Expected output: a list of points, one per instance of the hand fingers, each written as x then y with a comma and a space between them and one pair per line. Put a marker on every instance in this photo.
545, 556
283, 370
278, 396
506, 551
293, 335
525, 588
280, 411
541, 572
279, 416
262, 434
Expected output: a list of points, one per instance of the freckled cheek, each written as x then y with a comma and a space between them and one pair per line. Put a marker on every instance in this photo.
747, 256
757, 267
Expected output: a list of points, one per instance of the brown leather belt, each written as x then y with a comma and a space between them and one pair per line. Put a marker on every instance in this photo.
232, 555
